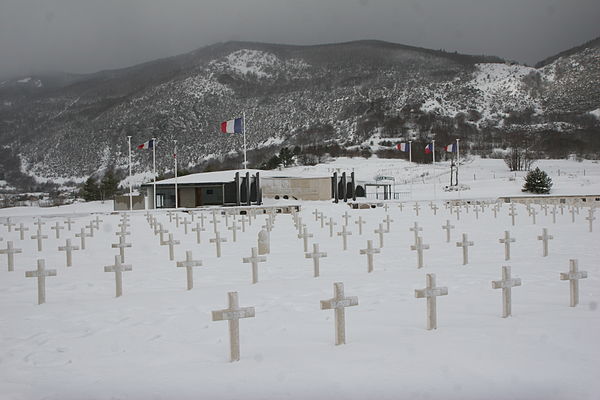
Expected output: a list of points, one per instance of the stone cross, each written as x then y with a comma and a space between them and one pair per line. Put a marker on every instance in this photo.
316, 214
506, 284
346, 217
198, 229
360, 223
233, 315
544, 237
10, 252
118, 269
322, 219
298, 224
562, 208
21, 229
495, 209
161, 232
465, 246
226, 219
215, 221
177, 220
419, 247
234, 228
69, 221
188, 264
386, 207
448, 228
430, 293
122, 232
315, 255
344, 233
591, 217
458, 213
39, 238
545, 208
91, 227
9, 224
171, 243
68, 248
305, 236
416, 208
434, 207
41, 273
416, 229
39, 224
476, 209
82, 237
97, 222
507, 240
57, 228
369, 251
553, 212
243, 220
466, 206
338, 303
380, 232
331, 224
254, 260
401, 206
264, 242
512, 213
185, 224
572, 211
202, 218
533, 213
388, 222
170, 214
121, 246
573, 277
217, 240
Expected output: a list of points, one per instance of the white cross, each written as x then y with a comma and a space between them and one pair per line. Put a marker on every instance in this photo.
304, 236
121, 246
57, 228
419, 247
39, 238
188, 264
198, 229
39, 224
512, 213
91, 227
434, 207
360, 223
544, 237
299, 224
380, 232
41, 273
170, 214
344, 233
185, 224
591, 217
388, 221
97, 222
545, 208
401, 206
430, 293
476, 209
338, 303
448, 228
465, 247
226, 219
562, 208
243, 220
386, 207
416, 229
316, 214
10, 252
322, 219
416, 208
161, 232
572, 211
506, 284
573, 277
346, 217
118, 269
171, 243
9, 224
254, 260
215, 221
82, 235
177, 220
233, 315
458, 213
68, 248
217, 240
507, 240
234, 228
202, 218
21, 229
69, 221
315, 255
495, 209
331, 224
122, 232
553, 212
533, 213
369, 251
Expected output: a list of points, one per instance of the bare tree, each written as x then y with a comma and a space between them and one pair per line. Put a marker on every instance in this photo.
520, 155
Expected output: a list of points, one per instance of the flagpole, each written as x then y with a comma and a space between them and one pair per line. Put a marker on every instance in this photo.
154, 168
410, 161
130, 181
457, 159
433, 154
175, 156
244, 131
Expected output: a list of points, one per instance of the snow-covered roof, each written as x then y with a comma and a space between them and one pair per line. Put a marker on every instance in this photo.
229, 176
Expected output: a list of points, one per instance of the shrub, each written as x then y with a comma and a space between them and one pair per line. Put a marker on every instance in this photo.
537, 181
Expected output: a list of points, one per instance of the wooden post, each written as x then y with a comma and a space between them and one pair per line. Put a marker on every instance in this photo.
573, 277
188, 264
369, 251
430, 293
41, 273
254, 260
338, 304
233, 315
506, 284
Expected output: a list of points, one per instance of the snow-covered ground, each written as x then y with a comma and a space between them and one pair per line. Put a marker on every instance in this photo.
157, 341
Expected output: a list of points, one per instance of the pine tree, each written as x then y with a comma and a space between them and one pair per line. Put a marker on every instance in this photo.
537, 181
109, 185
90, 190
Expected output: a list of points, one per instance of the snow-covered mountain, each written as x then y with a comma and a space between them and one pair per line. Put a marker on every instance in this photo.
73, 125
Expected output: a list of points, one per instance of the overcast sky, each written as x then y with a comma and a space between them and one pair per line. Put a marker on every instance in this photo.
89, 35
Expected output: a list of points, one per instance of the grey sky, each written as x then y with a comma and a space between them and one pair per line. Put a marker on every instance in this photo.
89, 35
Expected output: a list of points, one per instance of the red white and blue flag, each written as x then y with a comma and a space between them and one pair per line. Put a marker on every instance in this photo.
233, 126
429, 149
451, 148
147, 145
405, 147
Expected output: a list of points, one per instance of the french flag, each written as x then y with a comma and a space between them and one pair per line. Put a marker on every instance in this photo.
451, 148
405, 147
233, 126
429, 149
147, 145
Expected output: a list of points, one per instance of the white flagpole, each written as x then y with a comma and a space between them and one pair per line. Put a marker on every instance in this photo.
244, 131
433, 154
457, 158
175, 156
130, 180
410, 161
154, 167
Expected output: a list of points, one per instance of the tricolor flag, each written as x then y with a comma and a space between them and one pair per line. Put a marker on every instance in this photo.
451, 148
148, 145
233, 126
429, 148
405, 147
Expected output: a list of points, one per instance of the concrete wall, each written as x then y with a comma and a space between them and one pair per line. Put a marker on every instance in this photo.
122, 203
299, 188
187, 197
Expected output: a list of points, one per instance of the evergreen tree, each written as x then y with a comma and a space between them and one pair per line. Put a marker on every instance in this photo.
537, 181
109, 185
90, 190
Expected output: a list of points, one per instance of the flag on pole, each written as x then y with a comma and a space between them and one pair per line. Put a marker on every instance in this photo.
451, 148
147, 145
233, 126
405, 147
429, 149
